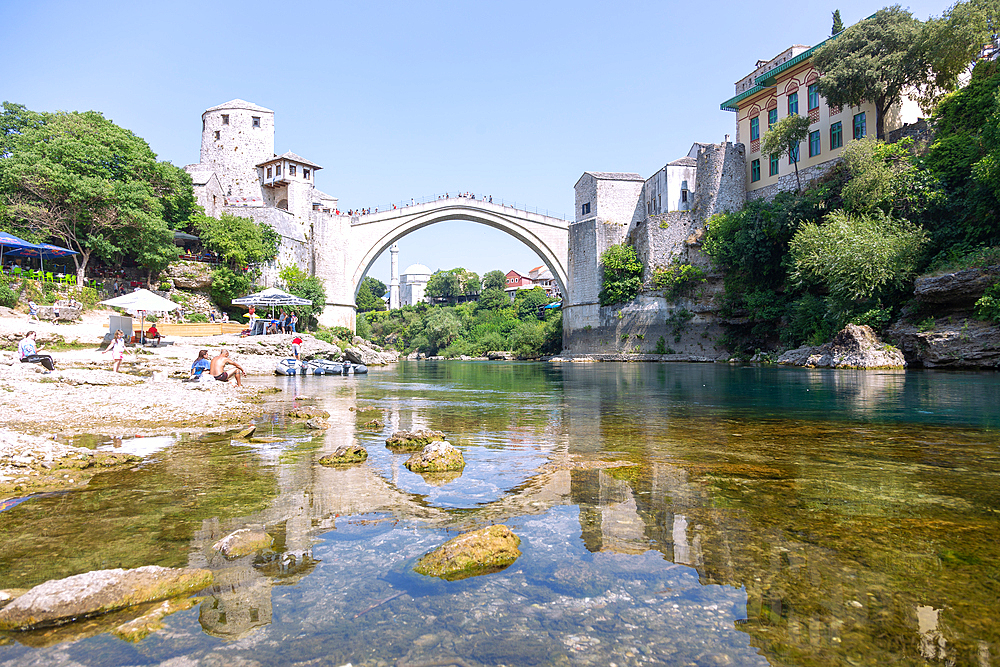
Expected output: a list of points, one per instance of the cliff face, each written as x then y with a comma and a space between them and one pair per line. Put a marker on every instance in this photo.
944, 332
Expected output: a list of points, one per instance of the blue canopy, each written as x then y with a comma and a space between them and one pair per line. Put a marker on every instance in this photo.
41, 250
11, 241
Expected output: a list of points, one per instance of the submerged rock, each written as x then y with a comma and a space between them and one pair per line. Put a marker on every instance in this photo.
139, 628
243, 542
306, 412
412, 441
345, 455
436, 457
92, 593
854, 347
489, 549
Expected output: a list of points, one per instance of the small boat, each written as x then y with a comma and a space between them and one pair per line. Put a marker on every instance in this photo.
327, 367
288, 367
323, 367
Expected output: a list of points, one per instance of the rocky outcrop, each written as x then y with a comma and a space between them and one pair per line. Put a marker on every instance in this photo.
243, 542
280, 345
436, 457
93, 593
489, 549
960, 289
188, 275
500, 355
363, 352
854, 347
63, 310
412, 441
345, 455
962, 343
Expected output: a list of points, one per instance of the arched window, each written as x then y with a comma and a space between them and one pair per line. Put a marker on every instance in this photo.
283, 204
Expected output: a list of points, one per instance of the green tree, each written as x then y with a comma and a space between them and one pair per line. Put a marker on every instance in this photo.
443, 327
310, 288
954, 42
366, 301
857, 258
88, 184
621, 274
784, 139
494, 279
874, 60
240, 242
444, 285
493, 298
838, 24
529, 301
375, 286
885, 177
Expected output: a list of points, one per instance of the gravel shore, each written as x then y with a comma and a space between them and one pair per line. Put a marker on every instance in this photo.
84, 396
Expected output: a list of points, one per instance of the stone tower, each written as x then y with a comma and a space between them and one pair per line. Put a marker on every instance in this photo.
235, 138
394, 277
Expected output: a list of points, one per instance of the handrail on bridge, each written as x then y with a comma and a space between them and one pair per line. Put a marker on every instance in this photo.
488, 199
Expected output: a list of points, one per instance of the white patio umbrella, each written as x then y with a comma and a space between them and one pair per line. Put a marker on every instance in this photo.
140, 301
272, 296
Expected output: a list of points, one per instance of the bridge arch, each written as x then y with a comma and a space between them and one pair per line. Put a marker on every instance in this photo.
342, 262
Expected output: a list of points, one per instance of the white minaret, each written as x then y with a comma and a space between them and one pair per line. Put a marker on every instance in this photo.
394, 277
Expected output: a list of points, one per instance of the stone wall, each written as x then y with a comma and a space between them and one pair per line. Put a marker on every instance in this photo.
689, 327
788, 182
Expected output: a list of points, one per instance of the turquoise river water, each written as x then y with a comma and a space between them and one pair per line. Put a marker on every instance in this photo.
770, 516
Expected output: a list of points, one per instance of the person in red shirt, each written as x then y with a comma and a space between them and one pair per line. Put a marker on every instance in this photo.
153, 334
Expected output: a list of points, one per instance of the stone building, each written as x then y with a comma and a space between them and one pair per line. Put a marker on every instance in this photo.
787, 84
412, 284
239, 173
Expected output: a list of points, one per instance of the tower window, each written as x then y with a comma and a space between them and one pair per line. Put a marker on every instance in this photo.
585, 209
291, 170
277, 170
256, 121
269, 172
217, 135
225, 119
305, 174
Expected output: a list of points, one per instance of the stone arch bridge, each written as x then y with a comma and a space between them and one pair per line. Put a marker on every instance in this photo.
344, 248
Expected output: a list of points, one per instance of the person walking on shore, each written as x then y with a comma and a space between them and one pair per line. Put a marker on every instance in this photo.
28, 353
117, 350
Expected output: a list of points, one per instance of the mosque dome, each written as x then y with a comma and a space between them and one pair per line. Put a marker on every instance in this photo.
416, 270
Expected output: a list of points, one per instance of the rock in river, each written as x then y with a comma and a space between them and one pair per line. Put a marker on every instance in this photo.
243, 542
436, 457
489, 549
854, 347
412, 441
345, 455
98, 592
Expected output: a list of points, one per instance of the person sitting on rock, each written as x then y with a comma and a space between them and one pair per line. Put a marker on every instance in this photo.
201, 364
29, 353
219, 372
153, 335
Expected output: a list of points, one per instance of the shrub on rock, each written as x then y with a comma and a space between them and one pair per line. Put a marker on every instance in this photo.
436, 457
412, 441
483, 551
345, 455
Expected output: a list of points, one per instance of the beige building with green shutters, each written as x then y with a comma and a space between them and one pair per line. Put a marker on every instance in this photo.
785, 84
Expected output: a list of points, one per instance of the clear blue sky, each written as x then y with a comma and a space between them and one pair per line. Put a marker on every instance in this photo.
409, 99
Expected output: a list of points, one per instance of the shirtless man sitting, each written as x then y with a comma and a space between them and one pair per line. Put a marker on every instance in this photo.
219, 372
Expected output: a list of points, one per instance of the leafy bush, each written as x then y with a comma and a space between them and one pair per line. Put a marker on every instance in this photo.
228, 285
661, 346
8, 297
857, 258
622, 275
165, 286
988, 305
197, 317
877, 318
678, 279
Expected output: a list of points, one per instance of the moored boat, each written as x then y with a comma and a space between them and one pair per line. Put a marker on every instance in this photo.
288, 367
323, 367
